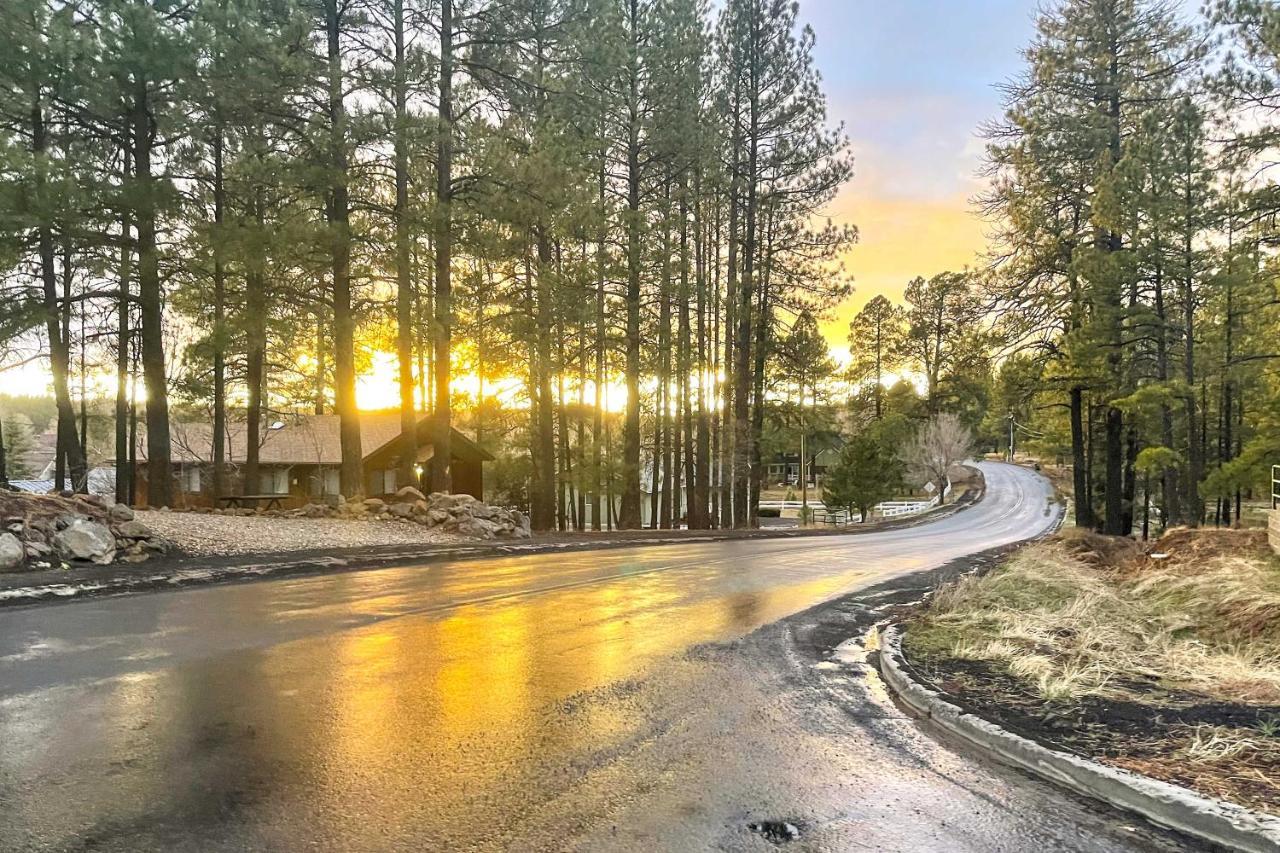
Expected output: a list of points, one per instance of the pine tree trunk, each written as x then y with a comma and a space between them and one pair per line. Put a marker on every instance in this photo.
219, 322
1079, 462
442, 416
351, 476
1170, 510
544, 515
256, 356
597, 420
408, 456
743, 435
68, 446
159, 469
629, 516
124, 493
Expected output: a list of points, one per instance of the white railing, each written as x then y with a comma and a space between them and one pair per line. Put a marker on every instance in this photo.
893, 509
1275, 486
886, 509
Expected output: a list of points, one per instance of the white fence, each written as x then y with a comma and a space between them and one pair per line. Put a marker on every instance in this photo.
886, 509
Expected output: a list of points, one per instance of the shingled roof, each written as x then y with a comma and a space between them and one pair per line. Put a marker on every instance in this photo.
299, 440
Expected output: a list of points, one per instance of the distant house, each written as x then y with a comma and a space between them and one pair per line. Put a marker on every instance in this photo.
300, 456
784, 468
101, 481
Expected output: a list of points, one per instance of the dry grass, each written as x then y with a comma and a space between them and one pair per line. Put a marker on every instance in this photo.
1082, 615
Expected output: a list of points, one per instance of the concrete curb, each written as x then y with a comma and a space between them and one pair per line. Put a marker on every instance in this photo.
1162, 803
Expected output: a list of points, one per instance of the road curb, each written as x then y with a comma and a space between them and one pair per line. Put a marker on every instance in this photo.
1162, 803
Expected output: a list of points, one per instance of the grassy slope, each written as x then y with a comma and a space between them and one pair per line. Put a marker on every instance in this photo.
1166, 661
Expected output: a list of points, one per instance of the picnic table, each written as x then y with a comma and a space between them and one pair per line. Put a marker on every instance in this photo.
272, 501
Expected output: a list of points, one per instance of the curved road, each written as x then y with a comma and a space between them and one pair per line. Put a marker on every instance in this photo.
660, 698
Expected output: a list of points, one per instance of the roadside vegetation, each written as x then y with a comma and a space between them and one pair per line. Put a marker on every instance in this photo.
1163, 660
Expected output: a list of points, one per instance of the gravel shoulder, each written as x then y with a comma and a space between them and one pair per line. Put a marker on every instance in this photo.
209, 535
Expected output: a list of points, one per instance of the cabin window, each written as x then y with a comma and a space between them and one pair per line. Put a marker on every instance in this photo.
274, 482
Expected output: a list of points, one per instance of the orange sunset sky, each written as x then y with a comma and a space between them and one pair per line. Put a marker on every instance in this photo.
912, 81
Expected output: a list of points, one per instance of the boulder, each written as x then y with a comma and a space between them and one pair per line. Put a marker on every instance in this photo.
374, 504
473, 527
437, 516
133, 529
402, 510
409, 494
451, 503
86, 540
11, 552
120, 512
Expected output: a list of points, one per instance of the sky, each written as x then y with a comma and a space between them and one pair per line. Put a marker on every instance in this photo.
912, 81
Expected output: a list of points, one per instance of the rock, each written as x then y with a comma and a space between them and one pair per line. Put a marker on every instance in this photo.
374, 504
62, 522
133, 530
156, 545
402, 510
11, 552
86, 540
437, 516
120, 512
474, 527
451, 503
37, 548
409, 494
421, 507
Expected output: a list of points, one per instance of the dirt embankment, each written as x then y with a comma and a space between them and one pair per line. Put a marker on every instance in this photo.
1164, 660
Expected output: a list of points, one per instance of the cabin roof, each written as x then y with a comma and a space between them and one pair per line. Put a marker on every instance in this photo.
302, 440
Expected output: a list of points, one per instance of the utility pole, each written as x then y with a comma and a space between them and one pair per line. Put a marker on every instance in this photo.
1011, 424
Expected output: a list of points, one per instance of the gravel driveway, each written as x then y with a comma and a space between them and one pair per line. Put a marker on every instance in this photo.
214, 535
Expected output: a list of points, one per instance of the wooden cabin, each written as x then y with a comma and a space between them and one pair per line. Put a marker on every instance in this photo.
300, 457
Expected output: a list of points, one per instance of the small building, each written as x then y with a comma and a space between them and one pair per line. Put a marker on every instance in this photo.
300, 456
784, 468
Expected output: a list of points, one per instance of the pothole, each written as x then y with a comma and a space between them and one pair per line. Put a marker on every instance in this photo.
776, 831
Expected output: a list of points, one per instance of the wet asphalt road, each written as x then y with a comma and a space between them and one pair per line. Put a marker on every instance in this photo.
641, 699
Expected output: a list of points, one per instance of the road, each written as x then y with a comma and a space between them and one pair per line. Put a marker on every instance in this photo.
662, 698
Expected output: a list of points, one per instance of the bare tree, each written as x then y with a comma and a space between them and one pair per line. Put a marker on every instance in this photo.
941, 442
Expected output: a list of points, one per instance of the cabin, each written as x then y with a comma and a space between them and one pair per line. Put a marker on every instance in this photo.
300, 457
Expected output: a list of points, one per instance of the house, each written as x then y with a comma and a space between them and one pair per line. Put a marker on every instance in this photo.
784, 468
300, 456
101, 481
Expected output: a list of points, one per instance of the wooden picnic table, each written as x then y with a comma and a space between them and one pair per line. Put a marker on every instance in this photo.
272, 501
